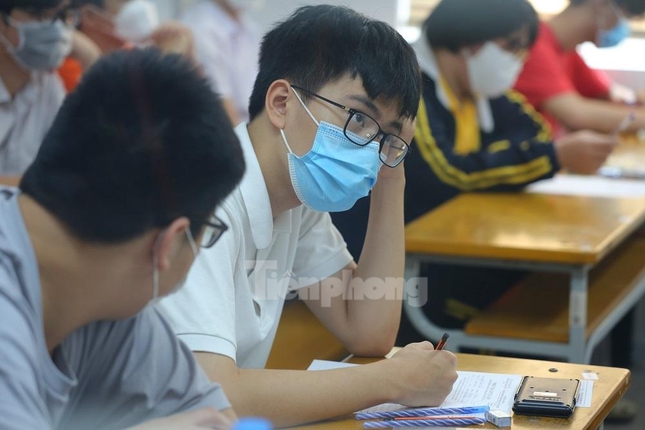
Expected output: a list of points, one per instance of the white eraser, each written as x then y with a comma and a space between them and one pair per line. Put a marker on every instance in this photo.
499, 418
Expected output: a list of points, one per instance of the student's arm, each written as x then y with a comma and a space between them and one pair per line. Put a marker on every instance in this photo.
520, 152
416, 376
84, 50
199, 419
134, 371
576, 113
361, 304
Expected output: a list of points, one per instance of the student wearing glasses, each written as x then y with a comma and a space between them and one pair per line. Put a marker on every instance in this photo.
473, 134
329, 123
106, 221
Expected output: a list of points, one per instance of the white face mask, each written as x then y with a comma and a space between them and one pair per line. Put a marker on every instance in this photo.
246, 4
155, 272
42, 45
492, 71
136, 21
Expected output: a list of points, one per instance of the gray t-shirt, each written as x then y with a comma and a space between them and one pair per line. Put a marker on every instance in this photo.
106, 375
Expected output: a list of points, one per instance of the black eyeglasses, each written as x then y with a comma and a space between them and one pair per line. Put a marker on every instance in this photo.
362, 129
215, 228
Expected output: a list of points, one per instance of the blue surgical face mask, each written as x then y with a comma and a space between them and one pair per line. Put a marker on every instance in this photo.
42, 45
335, 173
615, 35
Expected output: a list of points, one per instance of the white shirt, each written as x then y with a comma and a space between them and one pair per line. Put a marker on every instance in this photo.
26, 118
228, 50
234, 294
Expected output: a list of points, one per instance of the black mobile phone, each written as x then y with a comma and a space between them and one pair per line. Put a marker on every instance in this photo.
548, 397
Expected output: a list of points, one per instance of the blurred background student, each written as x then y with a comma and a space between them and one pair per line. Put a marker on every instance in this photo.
474, 134
228, 45
35, 38
108, 25
558, 82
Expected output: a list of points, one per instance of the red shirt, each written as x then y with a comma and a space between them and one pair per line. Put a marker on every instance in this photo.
551, 71
70, 73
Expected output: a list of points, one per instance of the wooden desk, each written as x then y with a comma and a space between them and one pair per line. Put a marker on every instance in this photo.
544, 233
630, 155
609, 388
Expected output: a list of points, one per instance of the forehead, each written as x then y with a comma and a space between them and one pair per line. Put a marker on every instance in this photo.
350, 92
522, 36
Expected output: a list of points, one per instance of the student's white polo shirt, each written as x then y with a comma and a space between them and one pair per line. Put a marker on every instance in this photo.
25, 120
234, 294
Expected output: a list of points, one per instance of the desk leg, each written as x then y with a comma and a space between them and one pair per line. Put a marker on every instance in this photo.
578, 314
414, 299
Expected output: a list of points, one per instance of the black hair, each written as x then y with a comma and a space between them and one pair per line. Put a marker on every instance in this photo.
632, 7
6, 6
80, 3
140, 142
319, 44
456, 24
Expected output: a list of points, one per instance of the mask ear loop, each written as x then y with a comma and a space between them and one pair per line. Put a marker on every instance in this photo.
191, 241
155, 270
284, 137
305, 106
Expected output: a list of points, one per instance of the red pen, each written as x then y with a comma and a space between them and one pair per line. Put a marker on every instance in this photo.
442, 343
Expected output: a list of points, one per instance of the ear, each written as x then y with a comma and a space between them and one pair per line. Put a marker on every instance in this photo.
169, 242
276, 102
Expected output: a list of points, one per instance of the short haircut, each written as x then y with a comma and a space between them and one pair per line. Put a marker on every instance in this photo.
140, 142
80, 3
6, 6
456, 24
632, 7
319, 44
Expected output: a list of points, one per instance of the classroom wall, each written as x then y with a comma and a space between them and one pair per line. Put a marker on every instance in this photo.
390, 11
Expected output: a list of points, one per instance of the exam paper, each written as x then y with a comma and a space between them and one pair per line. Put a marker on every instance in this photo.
476, 389
473, 389
590, 186
470, 389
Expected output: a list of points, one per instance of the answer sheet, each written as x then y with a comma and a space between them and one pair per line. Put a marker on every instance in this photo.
589, 186
471, 389
496, 390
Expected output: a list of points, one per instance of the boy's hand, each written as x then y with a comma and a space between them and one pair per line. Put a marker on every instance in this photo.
407, 134
175, 38
584, 151
421, 375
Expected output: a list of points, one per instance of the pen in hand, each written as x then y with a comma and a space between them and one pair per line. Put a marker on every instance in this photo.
624, 124
442, 343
